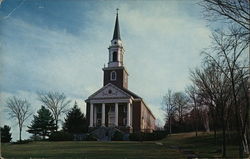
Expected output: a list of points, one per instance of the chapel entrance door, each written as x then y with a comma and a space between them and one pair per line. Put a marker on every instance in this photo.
111, 117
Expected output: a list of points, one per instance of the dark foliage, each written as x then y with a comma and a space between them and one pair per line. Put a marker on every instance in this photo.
5, 134
91, 137
43, 123
156, 135
75, 121
22, 142
118, 136
188, 123
61, 136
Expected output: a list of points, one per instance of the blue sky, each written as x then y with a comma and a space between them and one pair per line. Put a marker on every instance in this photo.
61, 45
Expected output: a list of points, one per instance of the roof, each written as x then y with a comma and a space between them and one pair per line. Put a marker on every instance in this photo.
124, 93
130, 93
116, 35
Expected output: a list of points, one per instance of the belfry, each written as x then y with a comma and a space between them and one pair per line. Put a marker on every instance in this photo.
114, 105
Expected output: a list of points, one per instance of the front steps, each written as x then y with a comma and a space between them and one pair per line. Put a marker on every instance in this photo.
105, 133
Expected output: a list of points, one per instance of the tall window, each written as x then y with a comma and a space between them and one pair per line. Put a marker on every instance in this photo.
124, 121
125, 109
99, 109
115, 57
113, 76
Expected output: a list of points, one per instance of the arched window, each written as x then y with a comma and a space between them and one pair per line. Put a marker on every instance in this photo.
115, 57
113, 76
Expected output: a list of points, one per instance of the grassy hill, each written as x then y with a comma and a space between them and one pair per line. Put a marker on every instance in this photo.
174, 146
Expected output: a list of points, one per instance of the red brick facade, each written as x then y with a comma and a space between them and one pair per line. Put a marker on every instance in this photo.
121, 77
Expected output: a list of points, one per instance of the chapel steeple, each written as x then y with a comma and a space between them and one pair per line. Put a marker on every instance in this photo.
116, 35
116, 50
116, 73
114, 105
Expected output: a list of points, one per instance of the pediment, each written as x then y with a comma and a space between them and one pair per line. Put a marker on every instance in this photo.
109, 91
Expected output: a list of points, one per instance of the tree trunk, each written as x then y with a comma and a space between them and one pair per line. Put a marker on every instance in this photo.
245, 144
196, 118
215, 133
20, 133
170, 128
223, 138
205, 119
214, 126
246, 119
44, 135
239, 131
56, 125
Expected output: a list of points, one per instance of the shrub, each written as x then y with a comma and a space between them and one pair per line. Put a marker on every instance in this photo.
22, 142
118, 136
160, 134
80, 137
35, 138
60, 136
156, 135
135, 136
91, 137
5, 134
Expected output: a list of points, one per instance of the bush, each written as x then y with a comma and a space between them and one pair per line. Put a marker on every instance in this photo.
118, 136
135, 137
156, 135
91, 137
22, 142
35, 138
160, 134
61, 136
5, 134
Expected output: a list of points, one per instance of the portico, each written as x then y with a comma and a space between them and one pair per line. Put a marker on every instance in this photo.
106, 113
110, 107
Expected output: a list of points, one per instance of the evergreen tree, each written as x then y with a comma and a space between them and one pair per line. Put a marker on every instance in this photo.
75, 121
42, 124
5, 134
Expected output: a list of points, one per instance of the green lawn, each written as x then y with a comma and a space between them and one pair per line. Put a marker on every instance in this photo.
203, 146
90, 149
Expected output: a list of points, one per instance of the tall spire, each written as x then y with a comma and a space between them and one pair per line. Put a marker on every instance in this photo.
116, 35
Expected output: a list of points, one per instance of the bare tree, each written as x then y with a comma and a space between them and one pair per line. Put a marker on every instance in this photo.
231, 11
181, 103
228, 55
169, 108
20, 110
230, 47
193, 95
214, 88
56, 102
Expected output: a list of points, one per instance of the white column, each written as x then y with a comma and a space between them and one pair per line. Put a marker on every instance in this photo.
128, 115
103, 114
91, 115
94, 110
116, 114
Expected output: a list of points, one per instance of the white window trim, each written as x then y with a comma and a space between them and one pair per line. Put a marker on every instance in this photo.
113, 79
